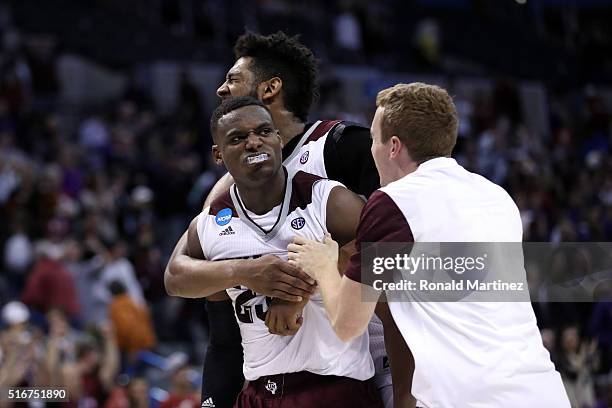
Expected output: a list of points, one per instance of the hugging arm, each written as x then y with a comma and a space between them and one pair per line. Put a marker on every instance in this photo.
189, 275
342, 216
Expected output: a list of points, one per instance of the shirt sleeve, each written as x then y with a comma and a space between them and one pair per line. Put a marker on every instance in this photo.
381, 221
348, 158
320, 193
201, 229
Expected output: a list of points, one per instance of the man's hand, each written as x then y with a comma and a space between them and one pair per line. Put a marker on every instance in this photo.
271, 276
314, 257
285, 318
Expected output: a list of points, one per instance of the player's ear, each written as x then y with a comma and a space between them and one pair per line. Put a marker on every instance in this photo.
217, 156
281, 139
396, 146
269, 89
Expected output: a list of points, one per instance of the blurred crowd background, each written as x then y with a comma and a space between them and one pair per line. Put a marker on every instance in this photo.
104, 159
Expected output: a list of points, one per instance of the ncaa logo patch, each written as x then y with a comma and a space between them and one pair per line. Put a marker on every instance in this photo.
298, 223
224, 216
304, 157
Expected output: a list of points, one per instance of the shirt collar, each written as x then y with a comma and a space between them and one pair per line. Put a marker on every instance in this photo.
437, 163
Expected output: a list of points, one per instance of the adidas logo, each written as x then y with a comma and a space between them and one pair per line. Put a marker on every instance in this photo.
208, 403
227, 231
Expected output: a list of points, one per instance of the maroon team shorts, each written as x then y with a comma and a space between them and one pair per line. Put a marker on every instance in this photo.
308, 390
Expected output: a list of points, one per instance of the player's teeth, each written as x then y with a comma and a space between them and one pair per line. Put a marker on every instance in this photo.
257, 159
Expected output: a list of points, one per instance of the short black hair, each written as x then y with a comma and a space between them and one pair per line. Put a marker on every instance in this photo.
285, 57
229, 105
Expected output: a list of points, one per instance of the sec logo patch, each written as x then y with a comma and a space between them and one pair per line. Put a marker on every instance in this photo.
304, 157
298, 223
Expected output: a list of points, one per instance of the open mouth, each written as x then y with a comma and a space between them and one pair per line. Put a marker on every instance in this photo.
260, 158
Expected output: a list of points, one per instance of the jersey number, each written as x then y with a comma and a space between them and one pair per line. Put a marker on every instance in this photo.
245, 313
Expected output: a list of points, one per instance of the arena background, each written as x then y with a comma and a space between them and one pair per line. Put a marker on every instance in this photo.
104, 158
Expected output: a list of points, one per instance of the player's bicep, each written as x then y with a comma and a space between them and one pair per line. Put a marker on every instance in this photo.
343, 211
194, 247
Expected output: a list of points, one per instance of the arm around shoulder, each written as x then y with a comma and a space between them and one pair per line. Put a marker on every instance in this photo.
189, 275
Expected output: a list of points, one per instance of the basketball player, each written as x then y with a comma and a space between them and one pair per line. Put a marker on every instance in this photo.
466, 354
259, 215
280, 72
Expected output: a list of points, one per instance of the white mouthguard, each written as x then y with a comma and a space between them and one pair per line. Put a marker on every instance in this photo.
257, 159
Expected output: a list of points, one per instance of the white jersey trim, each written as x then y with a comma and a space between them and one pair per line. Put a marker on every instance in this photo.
303, 140
282, 217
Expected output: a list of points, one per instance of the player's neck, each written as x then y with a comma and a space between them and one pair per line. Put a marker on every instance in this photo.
288, 125
404, 165
260, 200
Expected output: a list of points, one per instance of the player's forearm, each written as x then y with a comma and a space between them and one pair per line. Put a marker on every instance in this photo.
196, 278
329, 284
343, 299
190, 277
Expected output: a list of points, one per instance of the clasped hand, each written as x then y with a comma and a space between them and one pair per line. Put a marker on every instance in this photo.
285, 318
314, 258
